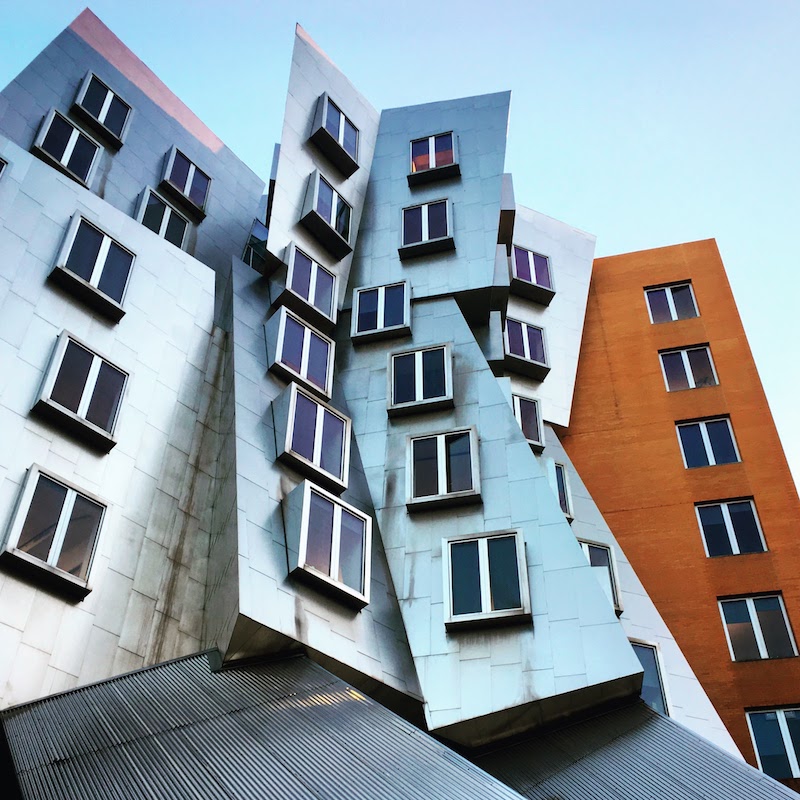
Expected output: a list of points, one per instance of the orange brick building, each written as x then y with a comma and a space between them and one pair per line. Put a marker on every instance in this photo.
674, 439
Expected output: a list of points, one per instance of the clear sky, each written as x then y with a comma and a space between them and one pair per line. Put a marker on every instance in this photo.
646, 123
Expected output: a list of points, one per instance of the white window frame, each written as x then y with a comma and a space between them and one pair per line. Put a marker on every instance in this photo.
110, 95
432, 151
316, 268
302, 376
443, 497
165, 219
755, 624
425, 237
558, 466
656, 647
337, 198
670, 302
422, 403
342, 117
486, 614
531, 267
687, 368
616, 598
61, 162
381, 330
184, 190
726, 516
3, 165
517, 403
793, 756
706, 441
525, 343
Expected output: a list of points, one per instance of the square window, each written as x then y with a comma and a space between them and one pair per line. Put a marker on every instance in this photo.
757, 628
427, 229
82, 393
103, 109
421, 380
670, 303
161, 218
776, 736
528, 414
562, 490
531, 276
653, 688
67, 148
381, 312
525, 349
327, 215
688, 368
335, 135
186, 184
486, 579
442, 470
434, 158
314, 284
54, 532
730, 528
707, 442
601, 560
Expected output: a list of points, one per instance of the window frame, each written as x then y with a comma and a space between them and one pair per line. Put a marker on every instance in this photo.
707, 442
3, 165
427, 246
97, 124
59, 163
179, 195
166, 218
422, 404
36, 569
755, 624
443, 499
569, 510
684, 353
434, 173
729, 529
792, 754
524, 364
659, 660
483, 617
516, 401
613, 572
321, 228
304, 305
382, 331
530, 289
332, 147
670, 301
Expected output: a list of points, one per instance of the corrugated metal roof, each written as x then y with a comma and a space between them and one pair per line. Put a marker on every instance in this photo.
287, 730
631, 753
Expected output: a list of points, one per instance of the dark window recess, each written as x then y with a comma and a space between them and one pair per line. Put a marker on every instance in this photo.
69, 149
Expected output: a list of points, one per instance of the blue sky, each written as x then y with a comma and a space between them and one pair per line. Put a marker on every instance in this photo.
644, 123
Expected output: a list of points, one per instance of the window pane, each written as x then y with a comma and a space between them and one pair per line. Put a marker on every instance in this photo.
504, 573
541, 265
684, 304
740, 630
694, 450
745, 527
332, 444
343, 219
82, 156
368, 310
351, 551
37, 533
514, 332
719, 434
57, 137
773, 627
522, 267
116, 116
76, 551
199, 188
769, 743
325, 201
180, 170
323, 292
107, 393
84, 251
792, 717
153, 213
95, 97
350, 142
561, 484
459, 463
405, 389
292, 349
115, 273
332, 118
600, 561
412, 225
72, 375
305, 426
301, 274
318, 352
714, 531
536, 345
675, 371
394, 307
320, 533
433, 377
700, 364
176, 228
529, 419
420, 157
652, 693
465, 577
659, 308
437, 220
444, 149
426, 479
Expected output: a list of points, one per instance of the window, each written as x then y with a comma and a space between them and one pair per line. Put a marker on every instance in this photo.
776, 736
66, 148
756, 627
562, 489
298, 351
601, 560
327, 215
527, 412
3, 165
421, 380
653, 690
688, 368
707, 442
381, 311
341, 129
531, 275
486, 579
730, 528
313, 283
670, 303
525, 349
82, 393
433, 158
103, 109
186, 183
102, 264
162, 219
255, 251
426, 229
53, 536
335, 136
443, 469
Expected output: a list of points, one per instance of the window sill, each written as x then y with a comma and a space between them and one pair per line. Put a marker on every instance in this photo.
333, 151
488, 619
84, 431
394, 332
109, 137
522, 366
305, 467
338, 591
420, 406
532, 291
43, 574
89, 295
426, 248
311, 314
48, 159
761, 660
280, 369
537, 447
329, 238
435, 174
171, 192
419, 504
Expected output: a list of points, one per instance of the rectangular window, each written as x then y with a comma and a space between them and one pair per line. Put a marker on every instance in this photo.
425, 222
532, 267
528, 414
300, 351
312, 282
776, 736
730, 528
381, 310
341, 129
161, 218
443, 469
601, 561
432, 152
562, 488
688, 368
757, 627
670, 303
421, 379
104, 108
333, 209
67, 148
525, 349
653, 692
327, 216
708, 442
187, 180
335, 136
486, 579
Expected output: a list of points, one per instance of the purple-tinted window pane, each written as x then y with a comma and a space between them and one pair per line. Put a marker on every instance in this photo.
318, 352
541, 265
769, 743
394, 306
684, 303
714, 531
745, 527
301, 274
176, 229
116, 115
433, 374
81, 535
332, 119
95, 97
719, 434
199, 188
72, 376
420, 155
459, 463
323, 292
368, 310
325, 201
426, 476
84, 251
675, 371
740, 630
319, 543
57, 138
305, 426
515, 341
412, 225
437, 220
154, 213
114, 277
522, 266
350, 139
351, 551
536, 345
292, 350
694, 451
80, 162
405, 390
106, 397
37, 533
179, 173
773, 627
332, 444
444, 149
529, 419
503, 573
465, 578
700, 363
659, 307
